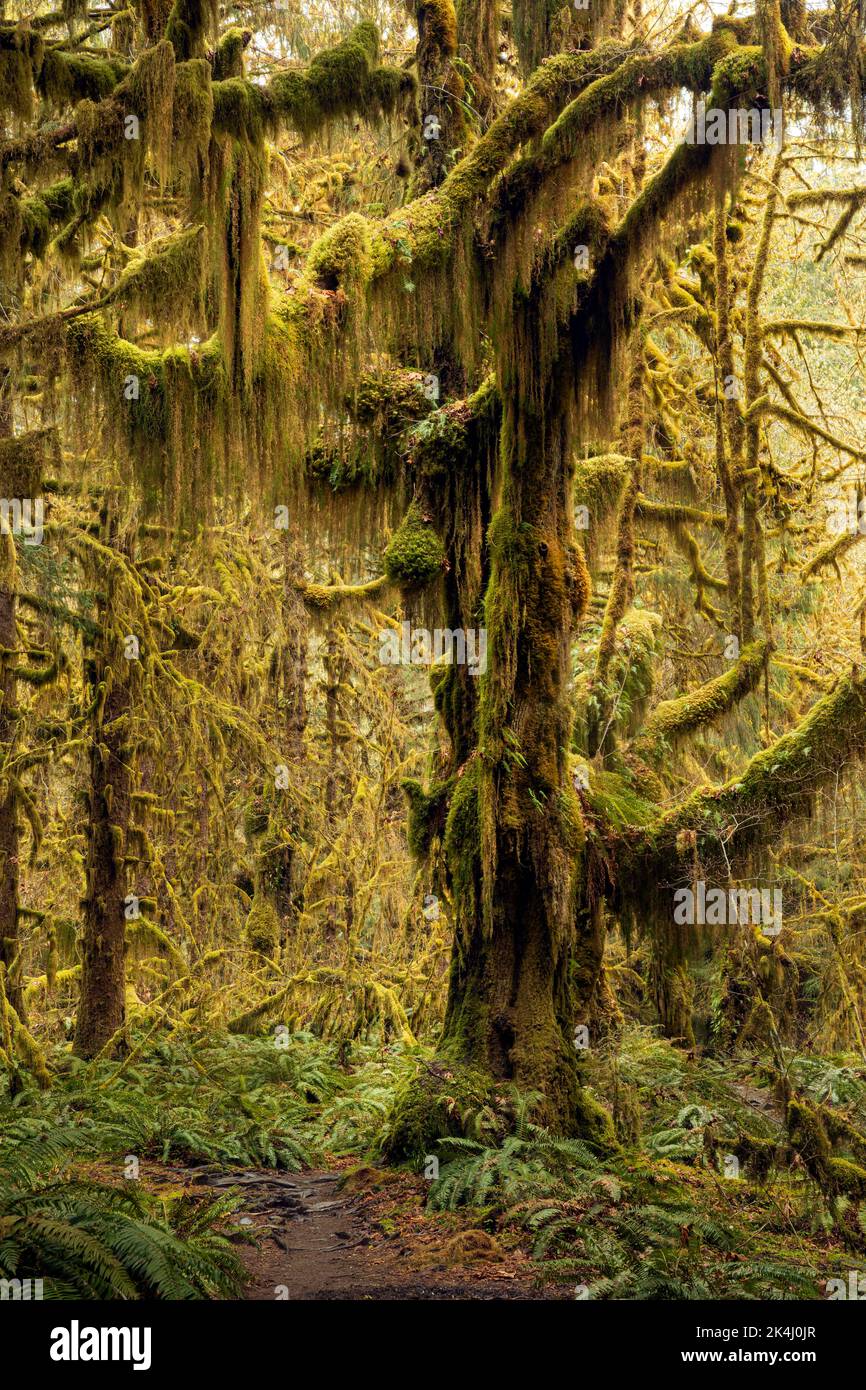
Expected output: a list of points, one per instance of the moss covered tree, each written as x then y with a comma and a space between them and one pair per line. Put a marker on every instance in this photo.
530, 270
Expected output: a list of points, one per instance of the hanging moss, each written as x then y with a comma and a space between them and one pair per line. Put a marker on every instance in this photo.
167, 285
192, 115
463, 842
23, 459
27, 224
159, 399
67, 78
44, 211
415, 555
439, 20
189, 24
21, 58
531, 21
615, 803
757, 1155
780, 780
478, 34
241, 109
149, 94
630, 678
123, 26
340, 82
835, 1176
8, 561
110, 168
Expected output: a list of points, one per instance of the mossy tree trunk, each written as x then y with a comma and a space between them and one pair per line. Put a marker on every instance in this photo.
441, 92
283, 876
514, 835
9, 837
102, 1004
478, 33
9, 834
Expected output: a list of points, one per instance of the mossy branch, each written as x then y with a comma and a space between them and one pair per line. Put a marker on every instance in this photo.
778, 784
674, 719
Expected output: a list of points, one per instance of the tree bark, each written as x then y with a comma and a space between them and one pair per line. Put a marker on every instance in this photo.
514, 836
102, 1003
9, 837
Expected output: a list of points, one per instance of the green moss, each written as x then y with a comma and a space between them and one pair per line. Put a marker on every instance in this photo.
27, 224
189, 24
342, 257
262, 927
615, 803
841, 1131
808, 1133
415, 555
228, 59
167, 284
780, 780
809, 1137
438, 20
463, 841
676, 718
592, 1123
598, 484
9, 565
389, 399
339, 82
435, 1101
21, 58
23, 458
846, 1178
192, 114
427, 811
758, 1155
148, 93
742, 74
628, 684
67, 78
682, 65
241, 109
175, 398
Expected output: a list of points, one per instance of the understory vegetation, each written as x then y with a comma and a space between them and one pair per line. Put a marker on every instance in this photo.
665, 1217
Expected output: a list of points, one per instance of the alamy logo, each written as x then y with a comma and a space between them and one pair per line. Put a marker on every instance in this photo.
76, 1343
20, 1290
735, 127
855, 1287
846, 515
418, 647
717, 907
24, 517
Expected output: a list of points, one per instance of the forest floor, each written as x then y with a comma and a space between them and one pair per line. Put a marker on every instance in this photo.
363, 1233
186, 1146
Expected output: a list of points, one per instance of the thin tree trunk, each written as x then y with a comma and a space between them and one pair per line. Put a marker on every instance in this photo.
9, 846
102, 1005
9, 838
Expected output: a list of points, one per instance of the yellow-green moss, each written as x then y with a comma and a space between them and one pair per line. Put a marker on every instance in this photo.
342, 257
262, 927
415, 555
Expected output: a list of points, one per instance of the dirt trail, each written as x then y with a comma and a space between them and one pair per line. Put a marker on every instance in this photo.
363, 1236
